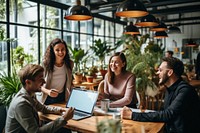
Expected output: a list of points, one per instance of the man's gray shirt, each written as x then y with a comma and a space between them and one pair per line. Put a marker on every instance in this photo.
22, 115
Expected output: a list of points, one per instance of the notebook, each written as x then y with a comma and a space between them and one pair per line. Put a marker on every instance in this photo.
83, 101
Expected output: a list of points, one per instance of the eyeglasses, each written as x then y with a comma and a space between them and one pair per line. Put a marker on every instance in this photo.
161, 70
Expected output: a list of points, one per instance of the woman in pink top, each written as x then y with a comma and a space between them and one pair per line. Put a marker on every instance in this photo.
119, 84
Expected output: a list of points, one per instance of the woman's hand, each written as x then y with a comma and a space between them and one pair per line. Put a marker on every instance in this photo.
53, 93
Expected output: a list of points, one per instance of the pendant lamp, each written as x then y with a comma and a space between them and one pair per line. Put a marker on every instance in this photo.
131, 8
147, 21
160, 27
191, 43
131, 29
174, 30
78, 12
160, 34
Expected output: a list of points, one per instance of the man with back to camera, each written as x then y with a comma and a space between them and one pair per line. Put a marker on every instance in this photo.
181, 103
22, 116
169, 53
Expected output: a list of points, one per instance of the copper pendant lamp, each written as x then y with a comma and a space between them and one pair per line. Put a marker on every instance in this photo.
160, 34
131, 29
174, 30
78, 12
191, 43
147, 21
160, 27
131, 8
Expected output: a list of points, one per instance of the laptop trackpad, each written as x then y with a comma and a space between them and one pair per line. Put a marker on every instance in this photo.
80, 115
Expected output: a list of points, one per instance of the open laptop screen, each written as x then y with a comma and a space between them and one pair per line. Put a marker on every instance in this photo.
83, 100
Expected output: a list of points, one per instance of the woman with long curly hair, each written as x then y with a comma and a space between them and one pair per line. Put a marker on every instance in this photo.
58, 73
119, 84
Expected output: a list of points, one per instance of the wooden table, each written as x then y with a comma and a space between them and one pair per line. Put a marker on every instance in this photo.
88, 85
88, 125
195, 83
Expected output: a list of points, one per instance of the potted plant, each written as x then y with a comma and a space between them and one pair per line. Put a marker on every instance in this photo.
77, 55
142, 63
101, 49
9, 86
109, 126
91, 74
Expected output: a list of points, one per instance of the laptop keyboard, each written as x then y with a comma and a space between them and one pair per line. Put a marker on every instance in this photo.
79, 114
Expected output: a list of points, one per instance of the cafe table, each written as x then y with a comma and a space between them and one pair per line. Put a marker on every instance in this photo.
88, 125
88, 85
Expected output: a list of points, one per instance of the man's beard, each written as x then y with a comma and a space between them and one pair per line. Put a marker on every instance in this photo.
164, 79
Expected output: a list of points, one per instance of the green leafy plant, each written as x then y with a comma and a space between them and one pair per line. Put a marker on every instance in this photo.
101, 49
20, 57
9, 86
142, 64
77, 55
109, 126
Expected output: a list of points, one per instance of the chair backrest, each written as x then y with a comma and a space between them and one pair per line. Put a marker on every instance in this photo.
2, 118
101, 87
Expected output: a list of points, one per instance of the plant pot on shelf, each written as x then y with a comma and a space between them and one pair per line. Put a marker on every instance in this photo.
89, 78
103, 72
78, 78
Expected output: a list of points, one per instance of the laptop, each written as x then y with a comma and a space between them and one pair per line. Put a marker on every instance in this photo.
83, 102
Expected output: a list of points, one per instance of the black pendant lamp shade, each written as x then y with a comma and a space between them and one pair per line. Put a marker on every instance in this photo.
160, 27
78, 12
160, 34
147, 21
131, 29
191, 43
131, 8
174, 30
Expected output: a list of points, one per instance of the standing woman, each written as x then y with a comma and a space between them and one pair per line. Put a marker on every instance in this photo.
119, 84
58, 73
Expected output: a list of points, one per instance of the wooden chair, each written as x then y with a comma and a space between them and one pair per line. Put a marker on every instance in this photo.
152, 103
101, 87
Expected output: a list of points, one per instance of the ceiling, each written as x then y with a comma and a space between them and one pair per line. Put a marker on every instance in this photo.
181, 12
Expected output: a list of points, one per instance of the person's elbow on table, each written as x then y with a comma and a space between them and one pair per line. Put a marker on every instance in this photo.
126, 113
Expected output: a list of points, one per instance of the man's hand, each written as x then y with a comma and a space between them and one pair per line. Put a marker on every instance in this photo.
68, 114
126, 113
53, 93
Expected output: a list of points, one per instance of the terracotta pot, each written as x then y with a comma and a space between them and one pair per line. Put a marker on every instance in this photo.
103, 72
78, 78
89, 79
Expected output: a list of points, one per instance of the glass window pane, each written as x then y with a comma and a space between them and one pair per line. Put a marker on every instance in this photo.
98, 26
119, 30
3, 10
86, 26
3, 50
70, 25
46, 37
28, 42
50, 17
109, 28
24, 12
